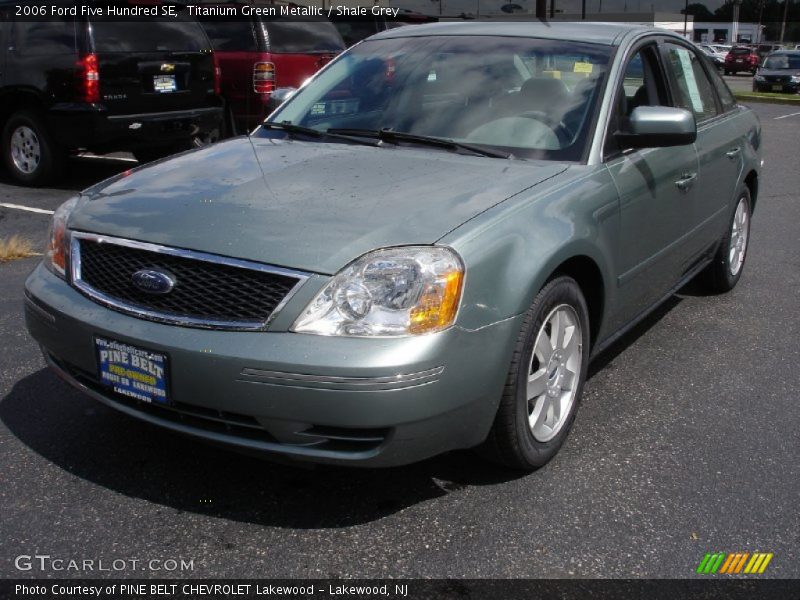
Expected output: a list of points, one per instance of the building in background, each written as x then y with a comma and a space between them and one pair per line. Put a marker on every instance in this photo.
713, 32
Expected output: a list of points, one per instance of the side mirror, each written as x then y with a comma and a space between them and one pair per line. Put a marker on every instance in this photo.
279, 96
658, 127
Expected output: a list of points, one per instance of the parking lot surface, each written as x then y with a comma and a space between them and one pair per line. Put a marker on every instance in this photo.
686, 443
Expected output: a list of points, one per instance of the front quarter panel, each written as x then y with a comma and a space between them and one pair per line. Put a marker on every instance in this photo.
513, 249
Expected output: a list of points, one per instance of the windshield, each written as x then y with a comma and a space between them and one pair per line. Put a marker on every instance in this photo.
532, 98
783, 61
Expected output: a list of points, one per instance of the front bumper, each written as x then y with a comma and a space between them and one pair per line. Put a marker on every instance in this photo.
781, 87
370, 402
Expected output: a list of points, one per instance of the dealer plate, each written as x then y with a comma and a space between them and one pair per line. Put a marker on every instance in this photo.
164, 84
133, 372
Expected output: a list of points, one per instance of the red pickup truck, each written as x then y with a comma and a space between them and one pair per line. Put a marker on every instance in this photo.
261, 54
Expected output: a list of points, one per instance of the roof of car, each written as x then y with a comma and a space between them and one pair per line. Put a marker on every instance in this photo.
598, 33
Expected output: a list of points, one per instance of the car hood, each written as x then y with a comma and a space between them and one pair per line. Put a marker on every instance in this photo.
304, 205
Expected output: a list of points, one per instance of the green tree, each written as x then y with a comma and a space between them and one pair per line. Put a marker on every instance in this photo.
699, 11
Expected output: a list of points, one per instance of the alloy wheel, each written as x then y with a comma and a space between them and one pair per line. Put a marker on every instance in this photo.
553, 375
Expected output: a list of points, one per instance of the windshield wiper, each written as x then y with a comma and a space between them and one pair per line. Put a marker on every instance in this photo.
315, 133
390, 136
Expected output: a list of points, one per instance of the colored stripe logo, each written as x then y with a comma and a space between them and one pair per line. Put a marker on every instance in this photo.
734, 563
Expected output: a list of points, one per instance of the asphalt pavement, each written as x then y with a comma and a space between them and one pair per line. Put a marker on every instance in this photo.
687, 442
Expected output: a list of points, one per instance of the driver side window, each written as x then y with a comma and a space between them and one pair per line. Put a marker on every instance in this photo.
641, 85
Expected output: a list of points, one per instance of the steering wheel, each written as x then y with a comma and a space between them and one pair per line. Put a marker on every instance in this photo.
562, 132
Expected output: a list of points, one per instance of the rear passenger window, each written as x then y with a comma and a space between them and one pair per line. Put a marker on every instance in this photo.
231, 36
131, 35
44, 38
302, 37
694, 91
723, 91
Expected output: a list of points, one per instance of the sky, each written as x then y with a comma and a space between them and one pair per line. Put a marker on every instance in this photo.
569, 6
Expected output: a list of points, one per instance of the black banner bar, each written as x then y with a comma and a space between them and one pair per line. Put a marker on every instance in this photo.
402, 589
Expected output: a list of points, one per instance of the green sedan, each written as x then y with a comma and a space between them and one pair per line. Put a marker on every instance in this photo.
420, 250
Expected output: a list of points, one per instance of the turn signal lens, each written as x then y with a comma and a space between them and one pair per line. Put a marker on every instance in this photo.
58, 240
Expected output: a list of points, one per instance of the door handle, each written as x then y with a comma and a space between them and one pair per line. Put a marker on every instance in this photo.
686, 181
732, 154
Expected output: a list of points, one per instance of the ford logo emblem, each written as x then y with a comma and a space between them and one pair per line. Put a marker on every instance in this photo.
153, 282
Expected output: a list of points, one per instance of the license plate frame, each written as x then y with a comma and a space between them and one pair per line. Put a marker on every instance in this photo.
133, 371
778, 87
165, 84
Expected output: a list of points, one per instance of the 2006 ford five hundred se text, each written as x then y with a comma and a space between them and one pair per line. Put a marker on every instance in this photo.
420, 250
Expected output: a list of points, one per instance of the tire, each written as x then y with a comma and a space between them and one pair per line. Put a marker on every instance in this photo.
724, 272
513, 441
727, 72
29, 152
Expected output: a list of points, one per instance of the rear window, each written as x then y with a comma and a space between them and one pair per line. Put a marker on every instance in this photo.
302, 37
231, 36
44, 38
739, 51
182, 34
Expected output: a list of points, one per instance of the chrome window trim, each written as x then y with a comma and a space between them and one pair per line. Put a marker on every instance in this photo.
113, 303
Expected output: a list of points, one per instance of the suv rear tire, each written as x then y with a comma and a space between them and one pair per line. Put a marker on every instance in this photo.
29, 152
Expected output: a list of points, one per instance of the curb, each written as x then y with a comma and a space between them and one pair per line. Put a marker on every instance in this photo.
747, 97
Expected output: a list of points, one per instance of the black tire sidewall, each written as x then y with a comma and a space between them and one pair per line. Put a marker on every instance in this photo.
562, 290
722, 262
50, 156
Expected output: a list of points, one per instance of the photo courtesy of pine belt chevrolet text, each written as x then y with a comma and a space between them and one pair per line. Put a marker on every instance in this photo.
420, 250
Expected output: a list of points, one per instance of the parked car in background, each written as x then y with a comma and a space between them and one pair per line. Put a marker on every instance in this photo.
259, 55
780, 72
741, 58
420, 251
102, 85
716, 55
766, 48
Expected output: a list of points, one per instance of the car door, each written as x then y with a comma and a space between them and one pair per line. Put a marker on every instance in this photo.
719, 150
656, 191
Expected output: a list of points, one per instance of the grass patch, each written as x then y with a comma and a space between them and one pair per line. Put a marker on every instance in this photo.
15, 247
768, 97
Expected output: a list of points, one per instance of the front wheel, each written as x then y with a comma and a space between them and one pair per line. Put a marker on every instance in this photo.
545, 380
724, 272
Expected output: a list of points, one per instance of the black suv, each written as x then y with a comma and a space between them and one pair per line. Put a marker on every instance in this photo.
103, 85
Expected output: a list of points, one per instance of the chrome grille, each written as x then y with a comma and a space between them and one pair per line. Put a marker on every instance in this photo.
210, 291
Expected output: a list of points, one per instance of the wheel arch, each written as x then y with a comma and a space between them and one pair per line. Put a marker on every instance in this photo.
17, 99
587, 274
751, 181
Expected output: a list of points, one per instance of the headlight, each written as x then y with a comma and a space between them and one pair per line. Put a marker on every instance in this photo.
408, 290
795, 78
758, 78
58, 240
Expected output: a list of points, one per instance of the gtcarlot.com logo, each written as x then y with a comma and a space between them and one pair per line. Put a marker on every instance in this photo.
46, 562
734, 563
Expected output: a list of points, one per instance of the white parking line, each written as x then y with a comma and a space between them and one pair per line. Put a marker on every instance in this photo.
28, 208
797, 114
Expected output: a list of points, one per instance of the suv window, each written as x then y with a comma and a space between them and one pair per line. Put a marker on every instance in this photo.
44, 38
231, 36
302, 37
693, 90
182, 34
